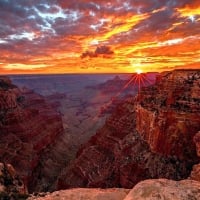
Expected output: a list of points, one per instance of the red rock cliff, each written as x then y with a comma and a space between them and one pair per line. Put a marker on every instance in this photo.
167, 114
27, 126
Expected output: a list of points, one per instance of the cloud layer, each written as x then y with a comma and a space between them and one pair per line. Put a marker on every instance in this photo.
84, 36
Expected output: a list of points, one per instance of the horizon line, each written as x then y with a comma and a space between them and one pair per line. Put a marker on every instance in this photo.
106, 73
74, 73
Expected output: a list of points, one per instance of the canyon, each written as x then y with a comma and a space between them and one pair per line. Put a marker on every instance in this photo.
151, 135
41, 133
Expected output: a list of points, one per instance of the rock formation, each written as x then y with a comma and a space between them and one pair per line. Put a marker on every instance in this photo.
111, 86
28, 125
11, 187
150, 136
195, 173
167, 114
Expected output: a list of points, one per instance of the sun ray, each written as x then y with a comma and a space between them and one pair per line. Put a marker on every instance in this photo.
142, 80
150, 82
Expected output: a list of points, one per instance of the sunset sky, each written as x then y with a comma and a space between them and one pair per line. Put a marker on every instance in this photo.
98, 36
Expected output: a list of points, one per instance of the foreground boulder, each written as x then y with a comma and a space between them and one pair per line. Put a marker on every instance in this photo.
165, 189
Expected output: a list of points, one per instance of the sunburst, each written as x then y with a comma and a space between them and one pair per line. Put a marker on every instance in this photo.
138, 79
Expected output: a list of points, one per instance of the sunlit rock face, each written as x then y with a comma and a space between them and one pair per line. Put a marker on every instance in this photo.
28, 125
134, 145
165, 189
168, 113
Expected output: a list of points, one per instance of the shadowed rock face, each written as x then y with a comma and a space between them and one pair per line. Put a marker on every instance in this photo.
28, 125
127, 150
195, 173
11, 187
197, 142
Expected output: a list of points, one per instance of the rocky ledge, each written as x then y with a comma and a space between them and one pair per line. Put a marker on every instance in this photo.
146, 190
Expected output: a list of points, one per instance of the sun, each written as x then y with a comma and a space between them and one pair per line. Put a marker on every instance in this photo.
138, 71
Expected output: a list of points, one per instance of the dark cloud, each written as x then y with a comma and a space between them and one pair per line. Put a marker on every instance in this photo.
104, 51
90, 54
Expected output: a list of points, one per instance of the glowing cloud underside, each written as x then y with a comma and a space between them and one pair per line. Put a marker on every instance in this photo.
99, 36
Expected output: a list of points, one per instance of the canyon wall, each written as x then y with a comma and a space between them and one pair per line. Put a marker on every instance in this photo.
28, 125
167, 114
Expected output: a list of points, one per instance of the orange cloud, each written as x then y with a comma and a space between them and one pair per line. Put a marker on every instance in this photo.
190, 10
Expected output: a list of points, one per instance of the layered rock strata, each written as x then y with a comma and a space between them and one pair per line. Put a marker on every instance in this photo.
167, 114
28, 125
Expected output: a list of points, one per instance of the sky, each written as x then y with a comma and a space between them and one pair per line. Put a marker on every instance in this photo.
98, 36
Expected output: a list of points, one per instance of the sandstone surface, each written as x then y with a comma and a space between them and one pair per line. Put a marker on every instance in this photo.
165, 189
